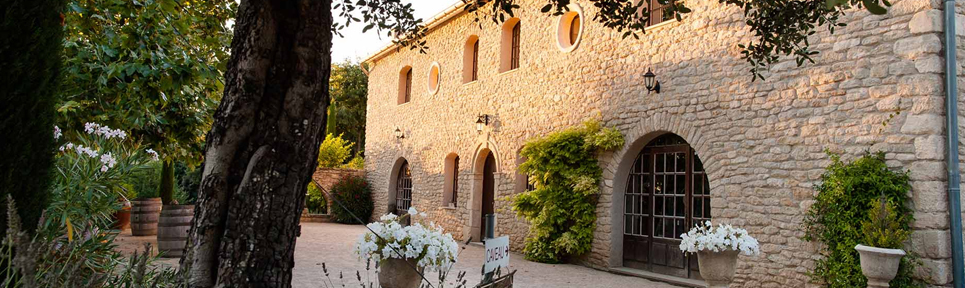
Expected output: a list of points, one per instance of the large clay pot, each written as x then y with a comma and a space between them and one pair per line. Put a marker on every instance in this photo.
880, 265
144, 215
172, 229
717, 268
396, 273
122, 219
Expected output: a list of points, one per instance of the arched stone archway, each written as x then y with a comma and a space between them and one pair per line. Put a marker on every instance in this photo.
484, 169
397, 181
660, 189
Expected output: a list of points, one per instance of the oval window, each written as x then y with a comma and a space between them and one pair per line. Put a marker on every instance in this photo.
434, 78
569, 29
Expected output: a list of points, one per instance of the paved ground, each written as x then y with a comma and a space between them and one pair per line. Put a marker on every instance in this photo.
332, 244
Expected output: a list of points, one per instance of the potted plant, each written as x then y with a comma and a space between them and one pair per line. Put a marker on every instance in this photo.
717, 249
880, 253
402, 253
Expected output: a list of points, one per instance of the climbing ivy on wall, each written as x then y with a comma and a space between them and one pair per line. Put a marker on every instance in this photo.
564, 169
846, 193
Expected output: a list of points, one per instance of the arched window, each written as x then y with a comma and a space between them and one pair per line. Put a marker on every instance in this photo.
470, 60
450, 195
405, 85
658, 12
510, 46
403, 189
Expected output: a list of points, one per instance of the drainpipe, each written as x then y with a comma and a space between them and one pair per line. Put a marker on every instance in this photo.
951, 115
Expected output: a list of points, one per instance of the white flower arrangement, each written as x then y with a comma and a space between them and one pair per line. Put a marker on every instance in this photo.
717, 239
428, 246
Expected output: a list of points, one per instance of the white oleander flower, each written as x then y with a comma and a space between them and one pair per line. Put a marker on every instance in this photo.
90, 128
153, 154
57, 133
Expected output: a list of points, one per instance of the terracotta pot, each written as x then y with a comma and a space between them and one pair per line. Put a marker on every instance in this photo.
717, 268
122, 219
396, 273
880, 265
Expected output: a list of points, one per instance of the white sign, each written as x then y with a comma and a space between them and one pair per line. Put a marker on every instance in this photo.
497, 253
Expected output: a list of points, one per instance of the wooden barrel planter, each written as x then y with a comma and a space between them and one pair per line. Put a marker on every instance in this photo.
144, 216
172, 229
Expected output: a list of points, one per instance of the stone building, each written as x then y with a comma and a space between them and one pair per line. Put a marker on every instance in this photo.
742, 152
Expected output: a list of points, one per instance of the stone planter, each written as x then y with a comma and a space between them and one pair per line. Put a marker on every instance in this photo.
880, 265
717, 268
396, 273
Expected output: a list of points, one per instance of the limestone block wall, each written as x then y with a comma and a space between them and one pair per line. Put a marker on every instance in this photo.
761, 142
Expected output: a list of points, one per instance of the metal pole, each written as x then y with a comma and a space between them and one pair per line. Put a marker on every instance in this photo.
951, 124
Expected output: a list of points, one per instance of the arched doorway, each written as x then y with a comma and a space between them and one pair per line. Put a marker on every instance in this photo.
403, 189
489, 193
667, 191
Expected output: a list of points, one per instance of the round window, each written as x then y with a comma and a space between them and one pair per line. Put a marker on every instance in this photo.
434, 78
569, 29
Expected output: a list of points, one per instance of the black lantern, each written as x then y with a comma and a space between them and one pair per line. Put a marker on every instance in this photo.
398, 134
482, 121
650, 81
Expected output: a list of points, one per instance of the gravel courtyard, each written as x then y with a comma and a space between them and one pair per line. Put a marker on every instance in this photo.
332, 244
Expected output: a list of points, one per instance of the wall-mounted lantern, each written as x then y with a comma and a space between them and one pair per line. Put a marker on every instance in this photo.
650, 81
398, 134
482, 121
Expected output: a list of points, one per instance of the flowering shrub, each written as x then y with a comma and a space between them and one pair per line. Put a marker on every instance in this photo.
351, 195
90, 174
720, 238
428, 246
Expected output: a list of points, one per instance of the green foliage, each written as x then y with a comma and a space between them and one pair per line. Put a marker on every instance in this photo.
334, 151
30, 54
565, 172
782, 27
51, 259
348, 87
189, 181
883, 227
357, 163
152, 67
144, 183
315, 200
846, 193
353, 192
89, 183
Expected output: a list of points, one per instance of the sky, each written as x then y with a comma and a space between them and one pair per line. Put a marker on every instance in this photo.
356, 45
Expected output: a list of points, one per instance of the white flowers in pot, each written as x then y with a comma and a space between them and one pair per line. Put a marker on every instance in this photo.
394, 245
718, 239
717, 249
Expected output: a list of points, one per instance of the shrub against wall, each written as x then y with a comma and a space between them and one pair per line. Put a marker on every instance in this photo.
564, 169
355, 194
334, 151
315, 200
847, 192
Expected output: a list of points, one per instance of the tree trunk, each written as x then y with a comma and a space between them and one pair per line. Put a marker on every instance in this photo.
166, 191
261, 150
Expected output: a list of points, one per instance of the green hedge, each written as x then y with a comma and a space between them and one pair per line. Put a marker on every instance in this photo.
355, 194
30, 57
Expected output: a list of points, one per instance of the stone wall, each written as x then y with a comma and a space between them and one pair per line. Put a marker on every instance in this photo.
327, 177
761, 142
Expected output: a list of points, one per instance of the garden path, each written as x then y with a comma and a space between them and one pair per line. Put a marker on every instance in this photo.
332, 244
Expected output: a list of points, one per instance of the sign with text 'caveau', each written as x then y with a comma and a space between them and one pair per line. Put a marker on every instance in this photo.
497, 253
